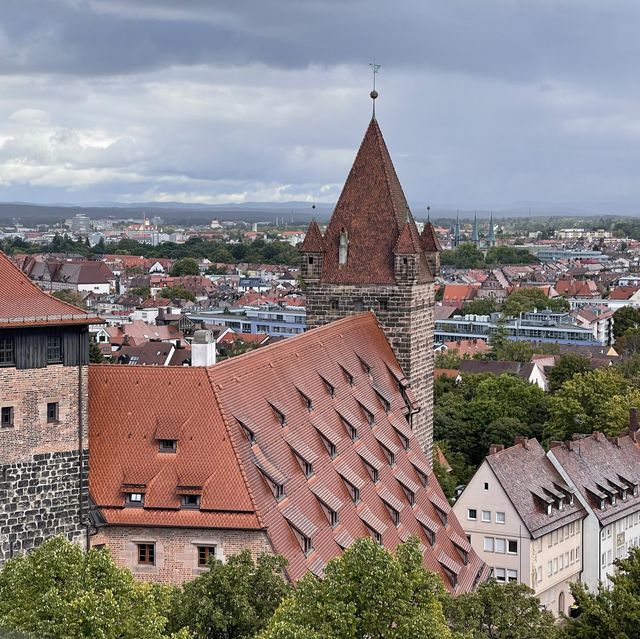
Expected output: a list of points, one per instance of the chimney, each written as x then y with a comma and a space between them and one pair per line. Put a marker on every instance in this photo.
520, 440
633, 420
495, 448
203, 349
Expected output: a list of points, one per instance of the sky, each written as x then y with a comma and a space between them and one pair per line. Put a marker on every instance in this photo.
491, 103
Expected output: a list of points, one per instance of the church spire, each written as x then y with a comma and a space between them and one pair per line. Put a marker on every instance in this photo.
456, 231
491, 235
475, 235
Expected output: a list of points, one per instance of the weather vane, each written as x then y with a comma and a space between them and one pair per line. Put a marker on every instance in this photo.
374, 94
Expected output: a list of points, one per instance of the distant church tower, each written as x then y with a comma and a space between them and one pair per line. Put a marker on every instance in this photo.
373, 257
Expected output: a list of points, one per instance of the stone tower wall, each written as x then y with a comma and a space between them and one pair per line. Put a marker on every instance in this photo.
40, 482
406, 313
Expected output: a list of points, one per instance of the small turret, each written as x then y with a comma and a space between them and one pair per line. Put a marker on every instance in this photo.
432, 248
406, 256
312, 253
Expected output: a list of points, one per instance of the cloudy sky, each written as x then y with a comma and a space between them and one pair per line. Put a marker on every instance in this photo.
483, 103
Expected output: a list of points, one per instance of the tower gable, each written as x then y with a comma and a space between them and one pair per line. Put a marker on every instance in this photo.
368, 219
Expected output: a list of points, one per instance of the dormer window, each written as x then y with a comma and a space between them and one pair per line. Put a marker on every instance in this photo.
354, 492
279, 414
248, 432
391, 458
549, 508
168, 445
602, 504
561, 503
307, 400
134, 499
343, 247
190, 501
624, 494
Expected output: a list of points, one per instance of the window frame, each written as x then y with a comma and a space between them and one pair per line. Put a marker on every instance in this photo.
204, 553
7, 351
187, 503
134, 503
146, 554
486, 520
470, 517
504, 517
509, 542
53, 412
10, 411
162, 448
54, 349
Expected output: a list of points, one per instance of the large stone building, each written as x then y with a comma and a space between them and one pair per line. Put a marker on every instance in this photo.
44, 352
373, 257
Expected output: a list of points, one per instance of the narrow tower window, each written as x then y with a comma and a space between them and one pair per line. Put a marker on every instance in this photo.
344, 247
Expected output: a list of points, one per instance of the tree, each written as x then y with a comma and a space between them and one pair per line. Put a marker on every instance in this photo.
625, 318
366, 593
95, 354
58, 591
565, 368
480, 306
448, 359
509, 255
611, 612
466, 255
527, 299
510, 350
499, 611
232, 600
177, 292
142, 291
70, 296
584, 404
185, 266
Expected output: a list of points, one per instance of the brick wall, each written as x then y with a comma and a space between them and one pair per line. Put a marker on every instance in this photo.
40, 461
176, 549
406, 313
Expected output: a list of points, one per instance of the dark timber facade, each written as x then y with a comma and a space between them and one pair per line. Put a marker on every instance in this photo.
372, 257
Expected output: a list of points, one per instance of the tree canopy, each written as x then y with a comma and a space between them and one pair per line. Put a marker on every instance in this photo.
565, 368
624, 319
367, 593
527, 299
60, 592
185, 266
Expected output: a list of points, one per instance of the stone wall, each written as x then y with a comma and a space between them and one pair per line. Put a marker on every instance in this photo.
176, 549
40, 461
406, 313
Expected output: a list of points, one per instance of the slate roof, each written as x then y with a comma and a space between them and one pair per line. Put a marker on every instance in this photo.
597, 465
252, 419
528, 477
24, 303
373, 210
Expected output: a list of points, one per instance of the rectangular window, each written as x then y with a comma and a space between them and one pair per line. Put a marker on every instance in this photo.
500, 518
561, 562
204, 552
486, 485
500, 545
555, 565
486, 516
190, 501
147, 554
549, 569
54, 349
488, 544
134, 499
7, 352
512, 575
168, 445
499, 574
512, 546
539, 574
6, 420
472, 514
52, 412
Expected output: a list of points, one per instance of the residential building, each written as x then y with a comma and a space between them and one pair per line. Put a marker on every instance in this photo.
373, 257
525, 521
605, 475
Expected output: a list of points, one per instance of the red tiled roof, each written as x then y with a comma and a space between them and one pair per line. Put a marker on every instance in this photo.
313, 242
406, 244
373, 210
430, 240
215, 448
23, 303
457, 294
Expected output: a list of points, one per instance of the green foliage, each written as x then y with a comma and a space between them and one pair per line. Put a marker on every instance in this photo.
471, 415
232, 600
513, 351
237, 347
625, 319
177, 292
464, 256
70, 296
480, 306
95, 354
565, 368
527, 299
460, 473
142, 291
60, 592
611, 613
185, 266
509, 255
587, 402
368, 593
448, 359
499, 611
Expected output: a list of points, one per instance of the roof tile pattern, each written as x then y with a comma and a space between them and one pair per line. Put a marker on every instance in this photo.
223, 454
372, 210
23, 303
313, 241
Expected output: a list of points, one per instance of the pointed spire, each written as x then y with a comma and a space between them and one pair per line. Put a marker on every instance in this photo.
430, 241
491, 235
406, 242
456, 230
313, 240
475, 235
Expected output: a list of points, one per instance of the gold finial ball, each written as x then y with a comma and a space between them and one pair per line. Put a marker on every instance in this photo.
374, 94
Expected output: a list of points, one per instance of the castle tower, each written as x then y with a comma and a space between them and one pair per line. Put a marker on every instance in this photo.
44, 353
373, 257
